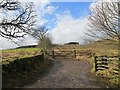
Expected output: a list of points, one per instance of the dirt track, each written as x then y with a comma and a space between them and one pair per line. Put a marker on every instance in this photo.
68, 73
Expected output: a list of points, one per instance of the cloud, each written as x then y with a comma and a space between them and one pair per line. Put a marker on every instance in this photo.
42, 9
6, 44
29, 40
69, 29
49, 9
70, 0
36, 1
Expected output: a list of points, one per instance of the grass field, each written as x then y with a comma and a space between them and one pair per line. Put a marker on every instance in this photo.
12, 54
104, 47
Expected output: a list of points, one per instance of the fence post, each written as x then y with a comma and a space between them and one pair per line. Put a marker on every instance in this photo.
106, 60
53, 54
95, 60
74, 53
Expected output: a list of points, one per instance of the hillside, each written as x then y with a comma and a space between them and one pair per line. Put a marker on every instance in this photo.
103, 47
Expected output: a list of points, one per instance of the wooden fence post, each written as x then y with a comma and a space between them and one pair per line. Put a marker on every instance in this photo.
106, 60
74, 53
95, 60
53, 54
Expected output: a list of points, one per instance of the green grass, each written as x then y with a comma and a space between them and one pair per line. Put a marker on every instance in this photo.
12, 54
21, 49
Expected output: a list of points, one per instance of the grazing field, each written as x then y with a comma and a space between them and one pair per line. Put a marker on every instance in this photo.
103, 47
98, 48
12, 54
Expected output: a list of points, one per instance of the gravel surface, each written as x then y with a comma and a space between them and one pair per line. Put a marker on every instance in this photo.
68, 73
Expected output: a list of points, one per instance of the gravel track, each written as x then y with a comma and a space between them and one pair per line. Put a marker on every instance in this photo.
68, 73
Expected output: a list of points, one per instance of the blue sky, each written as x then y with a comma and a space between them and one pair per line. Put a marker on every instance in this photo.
76, 9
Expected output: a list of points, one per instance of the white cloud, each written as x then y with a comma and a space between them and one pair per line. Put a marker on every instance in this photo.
69, 29
36, 1
29, 40
70, 0
6, 44
43, 8
50, 9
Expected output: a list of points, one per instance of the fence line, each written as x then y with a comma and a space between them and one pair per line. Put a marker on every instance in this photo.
67, 53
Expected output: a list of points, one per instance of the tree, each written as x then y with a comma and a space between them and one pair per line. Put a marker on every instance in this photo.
45, 43
21, 23
105, 20
40, 33
44, 40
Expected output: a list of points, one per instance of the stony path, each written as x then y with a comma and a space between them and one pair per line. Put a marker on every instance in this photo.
67, 73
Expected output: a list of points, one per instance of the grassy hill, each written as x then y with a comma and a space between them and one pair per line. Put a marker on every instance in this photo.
101, 47
104, 47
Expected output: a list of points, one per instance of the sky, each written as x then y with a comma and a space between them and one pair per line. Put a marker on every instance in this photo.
66, 21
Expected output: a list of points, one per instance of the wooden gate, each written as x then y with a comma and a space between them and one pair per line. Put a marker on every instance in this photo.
107, 62
61, 53
100, 63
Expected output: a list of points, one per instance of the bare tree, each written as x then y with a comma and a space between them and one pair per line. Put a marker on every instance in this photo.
44, 40
45, 43
18, 25
40, 33
104, 20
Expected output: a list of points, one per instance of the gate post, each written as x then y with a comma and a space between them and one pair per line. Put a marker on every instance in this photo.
74, 53
95, 60
53, 54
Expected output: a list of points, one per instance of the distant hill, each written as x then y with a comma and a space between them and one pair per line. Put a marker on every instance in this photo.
28, 46
71, 43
